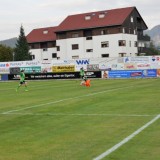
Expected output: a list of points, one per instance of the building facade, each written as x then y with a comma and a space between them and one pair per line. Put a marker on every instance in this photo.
109, 33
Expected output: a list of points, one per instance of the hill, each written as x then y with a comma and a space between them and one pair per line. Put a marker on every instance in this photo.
9, 42
154, 33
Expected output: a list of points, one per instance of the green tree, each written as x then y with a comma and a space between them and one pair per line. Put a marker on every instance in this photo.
152, 50
21, 52
6, 53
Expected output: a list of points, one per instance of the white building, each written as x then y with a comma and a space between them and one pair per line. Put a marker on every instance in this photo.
109, 33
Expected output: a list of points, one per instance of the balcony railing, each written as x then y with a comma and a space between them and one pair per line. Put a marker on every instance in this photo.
143, 38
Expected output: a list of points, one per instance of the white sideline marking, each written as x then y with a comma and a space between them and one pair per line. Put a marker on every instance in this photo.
115, 147
44, 104
62, 114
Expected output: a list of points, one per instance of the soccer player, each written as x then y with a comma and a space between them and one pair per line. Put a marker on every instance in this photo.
82, 73
85, 81
22, 81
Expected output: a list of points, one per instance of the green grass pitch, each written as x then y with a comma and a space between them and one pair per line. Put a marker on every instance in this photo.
61, 120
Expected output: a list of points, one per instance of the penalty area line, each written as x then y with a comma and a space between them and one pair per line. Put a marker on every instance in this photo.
66, 99
115, 147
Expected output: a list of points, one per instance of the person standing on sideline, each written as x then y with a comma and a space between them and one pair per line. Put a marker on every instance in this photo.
22, 81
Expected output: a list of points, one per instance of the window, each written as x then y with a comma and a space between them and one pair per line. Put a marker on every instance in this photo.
123, 30
135, 44
75, 57
75, 46
122, 54
87, 17
88, 38
33, 57
131, 19
104, 44
75, 35
122, 43
45, 49
45, 32
54, 55
43, 45
104, 55
130, 43
58, 48
89, 50
101, 15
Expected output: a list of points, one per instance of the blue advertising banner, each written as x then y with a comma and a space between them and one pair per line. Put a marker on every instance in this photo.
3, 77
132, 73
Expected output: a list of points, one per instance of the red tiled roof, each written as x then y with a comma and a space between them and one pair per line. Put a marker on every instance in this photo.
112, 17
38, 35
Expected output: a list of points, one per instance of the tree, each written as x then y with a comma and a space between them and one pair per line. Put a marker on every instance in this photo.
6, 53
21, 52
152, 50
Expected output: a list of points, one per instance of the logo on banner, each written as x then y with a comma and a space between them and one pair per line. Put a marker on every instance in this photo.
4, 65
126, 60
81, 62
153, 58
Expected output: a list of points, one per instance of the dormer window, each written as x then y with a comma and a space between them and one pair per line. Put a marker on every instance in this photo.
101, 15
45, 32
87, 17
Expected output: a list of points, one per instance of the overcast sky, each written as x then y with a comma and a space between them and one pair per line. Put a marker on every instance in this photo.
46, 13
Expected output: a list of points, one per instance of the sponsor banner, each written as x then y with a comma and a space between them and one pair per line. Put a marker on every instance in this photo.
4, 64
31, 69
15, 70
104, 74
158, 72
68, 68
64, 75
104, 67
150, 73
93, 67
46, 66
117, 67
4, 70
130, 66
4, 77
154, 65
63, 62
138, 59
25, 63
93, 74
81, 63
143, 66
132, 73
154, 59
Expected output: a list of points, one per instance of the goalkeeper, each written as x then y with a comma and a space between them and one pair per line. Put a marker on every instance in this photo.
22, 81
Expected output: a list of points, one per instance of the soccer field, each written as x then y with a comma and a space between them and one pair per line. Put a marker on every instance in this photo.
61, 120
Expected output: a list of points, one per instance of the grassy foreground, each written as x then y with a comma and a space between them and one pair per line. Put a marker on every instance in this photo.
61, 120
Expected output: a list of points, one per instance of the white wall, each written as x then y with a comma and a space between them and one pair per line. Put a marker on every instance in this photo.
41, 55
113, 50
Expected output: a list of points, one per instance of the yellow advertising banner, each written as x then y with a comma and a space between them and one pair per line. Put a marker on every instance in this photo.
68, 68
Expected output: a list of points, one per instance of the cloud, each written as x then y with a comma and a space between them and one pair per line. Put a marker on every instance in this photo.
51, 13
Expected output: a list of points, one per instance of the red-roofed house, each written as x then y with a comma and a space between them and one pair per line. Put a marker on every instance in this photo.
42, 42
109, 33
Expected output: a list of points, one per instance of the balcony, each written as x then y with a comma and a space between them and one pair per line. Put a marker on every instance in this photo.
143, 38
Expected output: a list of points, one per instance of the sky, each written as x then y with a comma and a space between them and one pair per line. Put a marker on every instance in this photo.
32, 14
